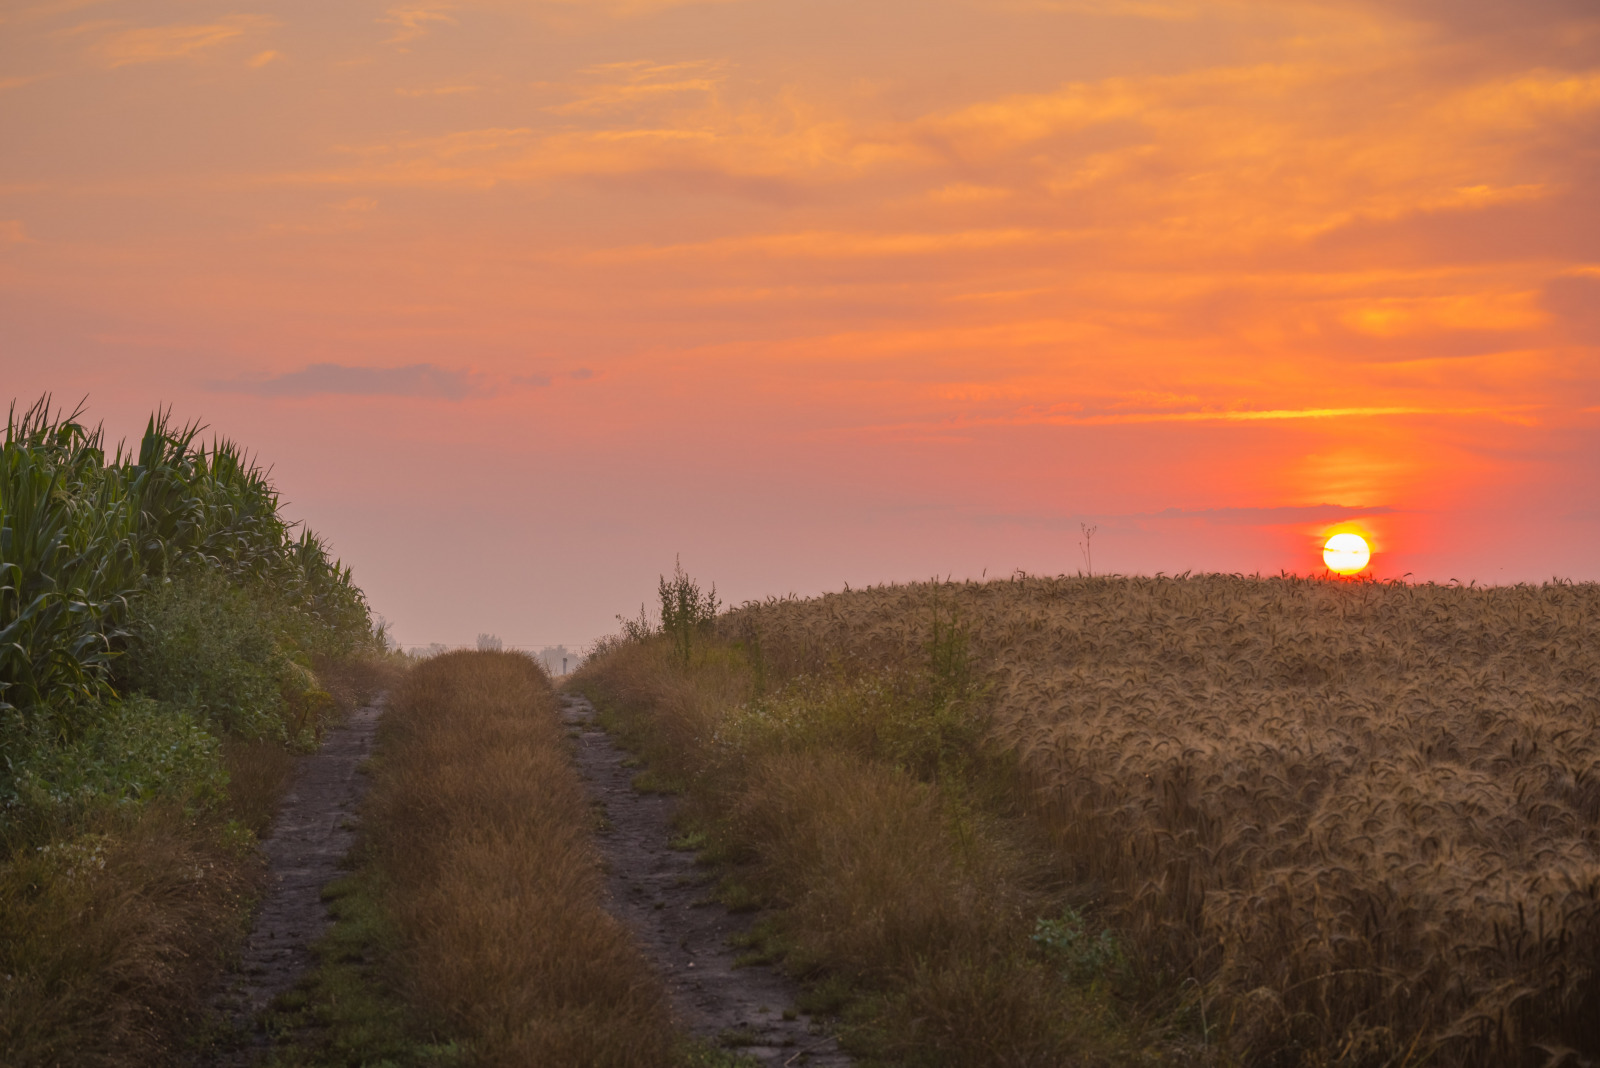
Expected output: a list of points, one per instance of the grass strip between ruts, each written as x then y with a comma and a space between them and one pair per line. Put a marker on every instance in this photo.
471, 930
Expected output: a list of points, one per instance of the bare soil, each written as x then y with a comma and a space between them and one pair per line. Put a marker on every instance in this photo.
660, 892
314, 831
663, 896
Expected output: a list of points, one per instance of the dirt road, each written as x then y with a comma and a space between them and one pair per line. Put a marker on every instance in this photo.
658, 891
661, 894
315, 829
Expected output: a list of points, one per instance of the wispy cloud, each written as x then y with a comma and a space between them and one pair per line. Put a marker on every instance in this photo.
675, 124
841, 245
1275, 415
49, 10
632, 84
627, 8
1523, 416
416, 20
1289, 515
155, 44
410, 380
1164, 12
440, 90
1575, 299
1273, 516
334, 379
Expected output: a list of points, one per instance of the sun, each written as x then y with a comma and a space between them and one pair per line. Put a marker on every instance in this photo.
1346, 553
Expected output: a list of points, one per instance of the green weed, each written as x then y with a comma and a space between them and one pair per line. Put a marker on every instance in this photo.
650, 781
348, 1010
685, 612
689, 842
1067, 942
696, 1053
763, 943
737, 896
135, 751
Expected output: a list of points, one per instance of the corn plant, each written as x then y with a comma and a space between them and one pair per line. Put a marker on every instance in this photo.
81, 534
68, 563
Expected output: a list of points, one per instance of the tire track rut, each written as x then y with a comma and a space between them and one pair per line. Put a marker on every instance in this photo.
660, 893
314, 831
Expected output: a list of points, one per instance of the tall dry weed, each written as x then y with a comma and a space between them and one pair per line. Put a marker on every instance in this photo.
480, 827
835, 804
861, 855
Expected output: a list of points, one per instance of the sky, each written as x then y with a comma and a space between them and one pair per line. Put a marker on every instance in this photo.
524, 300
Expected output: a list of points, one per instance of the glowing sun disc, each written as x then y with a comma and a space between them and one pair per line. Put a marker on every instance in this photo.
1346, 553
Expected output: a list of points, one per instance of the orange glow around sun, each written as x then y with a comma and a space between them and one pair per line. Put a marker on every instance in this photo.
1346, 553
943, 280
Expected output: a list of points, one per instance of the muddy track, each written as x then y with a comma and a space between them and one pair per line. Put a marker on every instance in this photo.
662, 895
315, 829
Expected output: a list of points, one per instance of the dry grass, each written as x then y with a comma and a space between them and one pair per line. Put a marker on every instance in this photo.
353, 681
480, 828
1361, 818
898, 876
258, 774
111, 931
882, 887
259, 770
112, 935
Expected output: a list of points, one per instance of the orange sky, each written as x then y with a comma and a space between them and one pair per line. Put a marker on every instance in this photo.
523, 297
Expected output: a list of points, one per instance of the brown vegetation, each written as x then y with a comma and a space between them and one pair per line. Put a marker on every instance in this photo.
112, 934
112, 928
1357, 821
872, 813
479, 831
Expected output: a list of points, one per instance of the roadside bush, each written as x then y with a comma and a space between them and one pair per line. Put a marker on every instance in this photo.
685, 611
181, 541
159, 626
200, 643
135, 751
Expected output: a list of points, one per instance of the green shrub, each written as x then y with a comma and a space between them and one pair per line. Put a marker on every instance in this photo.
202, 643
907, 719
132, 752
81, 536
151, 603
685, 611
1067, 943
167, 572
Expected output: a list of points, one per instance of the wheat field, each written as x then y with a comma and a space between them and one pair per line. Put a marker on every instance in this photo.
1355, 821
